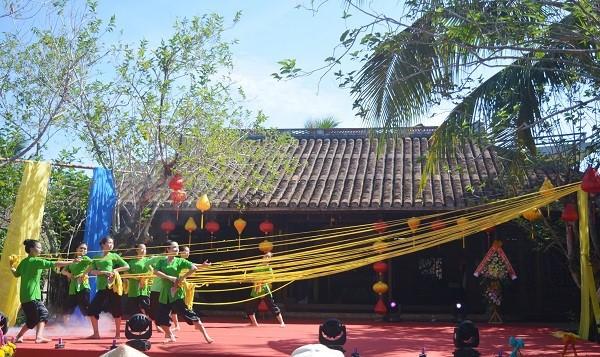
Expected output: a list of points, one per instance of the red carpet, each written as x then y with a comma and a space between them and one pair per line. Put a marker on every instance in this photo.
371, 338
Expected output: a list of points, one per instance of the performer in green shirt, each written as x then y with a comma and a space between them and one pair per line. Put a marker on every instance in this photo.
139, 289
79, 284
105, 266
30, 272
172, 295
184, 252
262, 291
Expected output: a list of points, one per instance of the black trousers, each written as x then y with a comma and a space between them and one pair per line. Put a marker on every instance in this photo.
163, 313
101, 297
81, 299
35, 312
252, 305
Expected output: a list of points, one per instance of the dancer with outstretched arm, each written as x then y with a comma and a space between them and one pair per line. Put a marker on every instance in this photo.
172, 295
30, 272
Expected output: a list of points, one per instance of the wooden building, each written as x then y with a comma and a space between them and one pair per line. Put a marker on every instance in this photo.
346, 178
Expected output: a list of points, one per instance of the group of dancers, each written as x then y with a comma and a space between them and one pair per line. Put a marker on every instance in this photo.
162, 300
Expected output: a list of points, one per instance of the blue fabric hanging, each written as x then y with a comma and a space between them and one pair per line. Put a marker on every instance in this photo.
100, 211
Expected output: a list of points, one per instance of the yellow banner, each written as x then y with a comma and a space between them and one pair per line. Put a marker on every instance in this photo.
25, 223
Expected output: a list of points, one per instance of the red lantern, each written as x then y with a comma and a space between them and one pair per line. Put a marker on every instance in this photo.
380, 267
438, 224
380, 308
212, 227
569, 215
167, 226
380, 226
590, 182
176, 183
177, 197
266, 227
262, 307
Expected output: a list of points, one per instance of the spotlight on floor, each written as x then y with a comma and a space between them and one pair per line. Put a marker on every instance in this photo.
138, 330
393, 313
466, 336
459, 312
333, 334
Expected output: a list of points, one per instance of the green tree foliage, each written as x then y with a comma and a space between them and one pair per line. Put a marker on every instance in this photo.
146, 111
520, 76
172, 108
41, 63
327, 122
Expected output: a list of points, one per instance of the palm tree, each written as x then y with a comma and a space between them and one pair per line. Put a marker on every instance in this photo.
327, 122
546, 52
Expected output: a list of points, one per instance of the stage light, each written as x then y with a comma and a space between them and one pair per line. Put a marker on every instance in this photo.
393, 313
138, 330
333, 334
459, 312
466, 336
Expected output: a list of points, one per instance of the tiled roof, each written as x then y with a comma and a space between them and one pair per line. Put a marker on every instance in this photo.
345, 169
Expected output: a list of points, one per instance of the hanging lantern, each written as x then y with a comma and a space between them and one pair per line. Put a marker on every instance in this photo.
212, 227
239, 225
569, 216
546, 190
531, 215
177, 197
167, 226
590, 182
190, 226
176, 183
380, 287
438, 224
461, 222
380, 226
262, 306
413, 224
265, 246
203, 204
380, 308
379, 246
380, 267
266, 227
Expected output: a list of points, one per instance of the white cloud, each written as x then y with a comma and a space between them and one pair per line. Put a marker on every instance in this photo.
288, 104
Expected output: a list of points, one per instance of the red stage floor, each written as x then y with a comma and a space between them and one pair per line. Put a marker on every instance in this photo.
371, 338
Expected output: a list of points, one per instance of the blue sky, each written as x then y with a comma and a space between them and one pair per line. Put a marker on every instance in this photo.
269, 31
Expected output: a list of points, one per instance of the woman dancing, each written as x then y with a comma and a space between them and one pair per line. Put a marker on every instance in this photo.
172, 295
79, 285
30, 272
139, 290
104, 266
261, 291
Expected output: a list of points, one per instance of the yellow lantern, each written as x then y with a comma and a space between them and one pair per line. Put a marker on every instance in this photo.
379, 246
190, 226
239, 225
546, 190
531, 215
380, 287
203, 204
265, 246
461, 222
413, 224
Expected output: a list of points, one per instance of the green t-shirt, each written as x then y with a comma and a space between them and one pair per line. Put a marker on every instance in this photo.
78, 269
260, 289
156, 282
108, 263
172, 269
138, 266
30, 271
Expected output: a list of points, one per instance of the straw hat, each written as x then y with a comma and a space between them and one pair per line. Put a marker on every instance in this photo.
124, 351
316, 350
